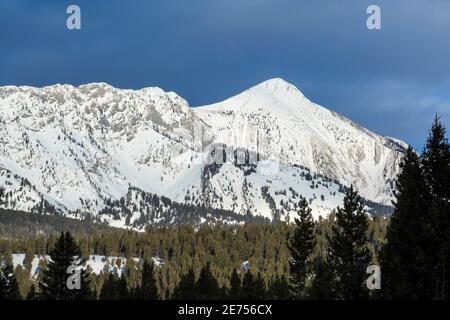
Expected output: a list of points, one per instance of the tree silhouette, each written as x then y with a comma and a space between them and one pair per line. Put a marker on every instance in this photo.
348, 248
301, 246
54, 285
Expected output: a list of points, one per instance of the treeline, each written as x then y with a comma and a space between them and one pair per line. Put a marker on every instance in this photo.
56, 284
22, 225
415, 260
259, 254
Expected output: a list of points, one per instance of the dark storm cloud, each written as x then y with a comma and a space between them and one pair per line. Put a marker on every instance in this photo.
391, 81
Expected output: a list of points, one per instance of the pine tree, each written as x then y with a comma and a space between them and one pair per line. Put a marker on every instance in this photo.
436, 168
54, 282
405, 258
323, 283
279, 289
348, 248
253, 288
247, 290
185, 290
123, 293
235, 286
148, 290
259, 288
9, 288
114, 288
207, 287
109, 289
436, 161
301, 246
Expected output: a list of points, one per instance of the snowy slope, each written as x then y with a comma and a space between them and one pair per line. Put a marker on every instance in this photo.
98, 149
79, 146
294, 130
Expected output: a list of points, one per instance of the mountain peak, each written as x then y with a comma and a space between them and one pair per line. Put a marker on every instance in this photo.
275, 82
278, 85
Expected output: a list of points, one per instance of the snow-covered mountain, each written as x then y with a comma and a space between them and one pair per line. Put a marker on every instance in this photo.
300, 132
133, 157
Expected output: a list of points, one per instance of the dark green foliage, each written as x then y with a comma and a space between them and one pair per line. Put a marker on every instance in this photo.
122, 291
278, 289
323, 286
186, 288
405, 258
247, 287
416, 258
436, 161
9, 289
235, 286
109, 291
436, 168
54, 282
207, 287
259, 287
253, 288
148, 289
114, 288
182, 249
301, 246
18, 224
348, 248
264, 246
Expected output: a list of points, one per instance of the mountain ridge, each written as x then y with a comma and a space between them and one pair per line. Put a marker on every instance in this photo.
80, 147
318, 126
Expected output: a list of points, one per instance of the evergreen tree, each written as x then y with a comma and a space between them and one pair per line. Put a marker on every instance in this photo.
114, 288
54, 282
301, 246
148, 290
185, 290
436, 168
279, 289
405, 258
324, 283
436, 161
235, 286
348, 248
9, 288
122, 292
247, 291
109, 289
259, 288
253, 288
207, 287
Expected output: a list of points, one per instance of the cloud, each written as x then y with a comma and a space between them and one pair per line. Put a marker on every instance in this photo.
391, 81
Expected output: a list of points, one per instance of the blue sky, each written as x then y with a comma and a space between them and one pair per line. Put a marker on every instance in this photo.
391, 81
